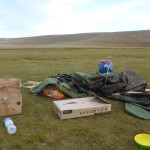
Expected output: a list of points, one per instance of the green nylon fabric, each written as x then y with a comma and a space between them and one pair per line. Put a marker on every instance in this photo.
65, 88
137, 110
93, 75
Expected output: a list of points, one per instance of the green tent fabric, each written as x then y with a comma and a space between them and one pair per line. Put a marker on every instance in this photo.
137, 110
93, 75
58, 84
64, 86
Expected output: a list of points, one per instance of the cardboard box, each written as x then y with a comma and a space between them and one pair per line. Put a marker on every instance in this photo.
80, 107
10, 97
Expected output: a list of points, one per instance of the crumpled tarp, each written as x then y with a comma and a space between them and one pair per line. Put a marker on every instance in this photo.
121, 82
116, 86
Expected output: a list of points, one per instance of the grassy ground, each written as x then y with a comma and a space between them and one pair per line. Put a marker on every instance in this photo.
38, 125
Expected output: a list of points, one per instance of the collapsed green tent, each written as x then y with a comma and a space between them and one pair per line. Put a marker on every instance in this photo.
113, 86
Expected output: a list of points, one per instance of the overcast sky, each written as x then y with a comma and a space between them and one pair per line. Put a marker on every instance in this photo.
20, 18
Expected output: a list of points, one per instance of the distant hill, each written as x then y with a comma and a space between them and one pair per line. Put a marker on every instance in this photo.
133, 39
1, 39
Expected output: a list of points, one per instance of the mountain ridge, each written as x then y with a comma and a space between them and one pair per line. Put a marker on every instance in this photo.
96, 39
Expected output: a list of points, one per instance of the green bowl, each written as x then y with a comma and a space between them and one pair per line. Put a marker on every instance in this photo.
143, 141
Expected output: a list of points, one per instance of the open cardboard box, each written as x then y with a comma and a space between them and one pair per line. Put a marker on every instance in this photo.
81, 107
10, 97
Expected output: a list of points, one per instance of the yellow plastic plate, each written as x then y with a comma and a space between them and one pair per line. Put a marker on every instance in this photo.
143, 140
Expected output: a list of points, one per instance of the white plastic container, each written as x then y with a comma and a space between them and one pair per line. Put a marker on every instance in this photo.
11, 128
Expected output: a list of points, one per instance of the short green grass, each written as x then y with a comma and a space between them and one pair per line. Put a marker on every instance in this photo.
40, 128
